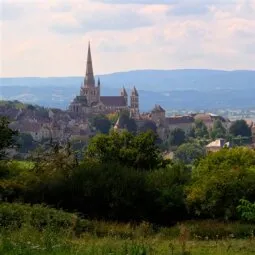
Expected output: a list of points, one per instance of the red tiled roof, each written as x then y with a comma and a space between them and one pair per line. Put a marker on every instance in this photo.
118, 101
203, 117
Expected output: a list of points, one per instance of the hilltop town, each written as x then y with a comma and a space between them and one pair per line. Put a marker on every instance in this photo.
77, 123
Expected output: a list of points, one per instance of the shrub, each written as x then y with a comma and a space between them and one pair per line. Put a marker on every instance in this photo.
220, 180
16, 215
246, 210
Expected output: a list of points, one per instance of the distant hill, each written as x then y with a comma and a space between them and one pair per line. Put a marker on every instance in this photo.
152, 80
186, 89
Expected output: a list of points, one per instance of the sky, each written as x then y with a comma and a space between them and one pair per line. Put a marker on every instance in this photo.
50, 37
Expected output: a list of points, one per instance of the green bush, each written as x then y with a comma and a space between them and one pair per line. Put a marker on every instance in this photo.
40, 217
219, 181
246, 210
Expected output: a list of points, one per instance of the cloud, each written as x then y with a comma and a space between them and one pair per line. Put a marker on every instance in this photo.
84, 19
189, 9
61, 7
10, 10
141, 2
49, 38
109, 46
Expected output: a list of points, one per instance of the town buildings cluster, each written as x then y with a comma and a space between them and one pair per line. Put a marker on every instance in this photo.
73, 124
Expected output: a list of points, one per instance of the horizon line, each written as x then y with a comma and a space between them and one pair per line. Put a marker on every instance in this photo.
134, 70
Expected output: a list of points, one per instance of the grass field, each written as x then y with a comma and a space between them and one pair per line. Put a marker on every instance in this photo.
28, 241
39, 230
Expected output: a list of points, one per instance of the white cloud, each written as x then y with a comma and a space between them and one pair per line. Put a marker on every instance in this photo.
49, 38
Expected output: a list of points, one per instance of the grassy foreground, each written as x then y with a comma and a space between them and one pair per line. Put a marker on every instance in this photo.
29, 241
39, 230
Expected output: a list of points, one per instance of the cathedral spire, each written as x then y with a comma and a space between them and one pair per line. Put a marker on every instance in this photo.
134, 91
89, 77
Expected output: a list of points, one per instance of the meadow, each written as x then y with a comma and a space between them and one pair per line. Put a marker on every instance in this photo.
28, 241
32, 230
124, 197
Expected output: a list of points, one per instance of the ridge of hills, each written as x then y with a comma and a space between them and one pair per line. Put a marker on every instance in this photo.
179, 89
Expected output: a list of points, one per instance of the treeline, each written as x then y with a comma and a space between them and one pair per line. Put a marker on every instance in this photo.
124, 177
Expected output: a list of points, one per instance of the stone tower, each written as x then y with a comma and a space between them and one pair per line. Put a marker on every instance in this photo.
124, 94
134, 103
89, 88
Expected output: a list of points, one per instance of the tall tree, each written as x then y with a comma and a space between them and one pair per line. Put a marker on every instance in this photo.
220, 180
240, 128
177, 137
101, 123
7, 136
201, 130
128, 123
138, 151
189, 152
218, 130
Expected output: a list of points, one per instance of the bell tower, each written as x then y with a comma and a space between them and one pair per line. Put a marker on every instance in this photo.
134, 103
124, 94
89, 89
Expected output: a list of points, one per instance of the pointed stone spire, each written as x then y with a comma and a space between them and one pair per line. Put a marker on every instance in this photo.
89, 80
134, 91
124, 92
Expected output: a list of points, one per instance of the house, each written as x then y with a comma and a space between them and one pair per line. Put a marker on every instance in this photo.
217, 145
208, 119
183, 122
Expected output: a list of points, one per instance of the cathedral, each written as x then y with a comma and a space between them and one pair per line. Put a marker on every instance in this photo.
90, 99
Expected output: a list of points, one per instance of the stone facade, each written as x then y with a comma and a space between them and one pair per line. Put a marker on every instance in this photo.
167, 124
90, 100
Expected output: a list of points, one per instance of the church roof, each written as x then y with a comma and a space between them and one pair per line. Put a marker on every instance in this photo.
113, 101
80, 100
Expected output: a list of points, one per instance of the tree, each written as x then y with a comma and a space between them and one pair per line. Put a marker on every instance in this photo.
240, 128
189, 152
126, 122
7, 136
166, 196
218, 130
177, 137
25, 142
246, 210
113, 117
200, 129
101, 123
220, 180
139, 151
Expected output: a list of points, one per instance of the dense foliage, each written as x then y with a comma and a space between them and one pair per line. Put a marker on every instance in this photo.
138, 151
7, 136
240, 128
220, 180
247, 210
123, 176
101, 123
